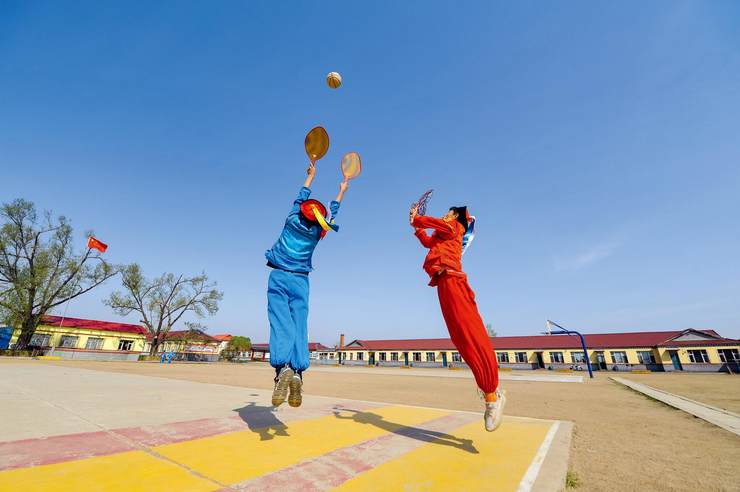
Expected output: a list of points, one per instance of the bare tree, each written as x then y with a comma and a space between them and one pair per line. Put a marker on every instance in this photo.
39, 269
163, 301
489, 329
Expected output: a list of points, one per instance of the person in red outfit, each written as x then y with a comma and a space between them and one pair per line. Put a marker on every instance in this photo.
443, 263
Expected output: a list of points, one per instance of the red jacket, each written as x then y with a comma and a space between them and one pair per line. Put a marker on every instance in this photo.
445, 243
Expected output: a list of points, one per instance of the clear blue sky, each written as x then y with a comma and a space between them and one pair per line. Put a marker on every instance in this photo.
597, 143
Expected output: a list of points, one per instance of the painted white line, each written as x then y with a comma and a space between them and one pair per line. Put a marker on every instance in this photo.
534, 468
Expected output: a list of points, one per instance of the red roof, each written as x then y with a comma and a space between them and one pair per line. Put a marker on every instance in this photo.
222, 338
540, 342
92, 324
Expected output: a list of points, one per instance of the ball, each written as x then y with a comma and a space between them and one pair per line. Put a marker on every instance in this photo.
334, 80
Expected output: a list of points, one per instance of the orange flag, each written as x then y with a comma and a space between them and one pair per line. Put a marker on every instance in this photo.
93, 243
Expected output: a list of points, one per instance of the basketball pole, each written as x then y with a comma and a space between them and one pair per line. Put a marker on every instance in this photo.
583, 343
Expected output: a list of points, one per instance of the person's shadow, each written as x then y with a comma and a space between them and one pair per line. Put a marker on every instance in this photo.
262, 420
417, 433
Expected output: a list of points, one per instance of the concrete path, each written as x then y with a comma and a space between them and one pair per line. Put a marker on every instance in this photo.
70, 429
722, 418
446, 373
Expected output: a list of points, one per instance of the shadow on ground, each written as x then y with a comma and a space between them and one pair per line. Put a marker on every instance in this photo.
417, 433
262, 420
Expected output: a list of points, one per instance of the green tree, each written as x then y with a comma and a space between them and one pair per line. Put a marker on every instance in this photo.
39, 268
161, 302
236, 346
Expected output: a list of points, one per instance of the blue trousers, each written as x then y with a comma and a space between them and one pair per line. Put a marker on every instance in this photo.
287, 310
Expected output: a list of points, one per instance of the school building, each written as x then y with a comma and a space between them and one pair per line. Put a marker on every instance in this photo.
90, 339
261, 352
687, 350
75, 338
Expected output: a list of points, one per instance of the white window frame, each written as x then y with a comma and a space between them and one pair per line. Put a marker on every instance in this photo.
650, 356
621, 353
394, 356
557, 355
97, 341
382, 356
69, 341
456, 357
723, 358
578, 357
521, 357
122, 341
45, 340
704, 355
433, 357
360, 356
502, 357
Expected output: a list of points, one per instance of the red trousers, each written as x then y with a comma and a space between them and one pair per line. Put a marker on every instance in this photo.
466, 328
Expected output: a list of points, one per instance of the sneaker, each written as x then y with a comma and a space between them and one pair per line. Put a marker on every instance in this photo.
495, 412
296, 389
282, 382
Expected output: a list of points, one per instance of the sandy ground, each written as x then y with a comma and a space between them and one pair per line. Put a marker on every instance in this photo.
719, 390
622, 440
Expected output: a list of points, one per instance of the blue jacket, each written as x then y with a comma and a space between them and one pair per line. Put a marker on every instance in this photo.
294, 248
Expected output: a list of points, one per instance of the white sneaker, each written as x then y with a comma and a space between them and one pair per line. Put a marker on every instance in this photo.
282, 381
295, 398
495, 412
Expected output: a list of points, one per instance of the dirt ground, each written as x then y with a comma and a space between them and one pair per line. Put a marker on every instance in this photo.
719, 390
622, 440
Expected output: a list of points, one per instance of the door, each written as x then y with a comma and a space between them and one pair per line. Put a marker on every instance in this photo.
601, 360
405, 358
444, 359
540, 360
371, 359
676, 361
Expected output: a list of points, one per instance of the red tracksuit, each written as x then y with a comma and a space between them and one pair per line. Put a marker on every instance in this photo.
456, 298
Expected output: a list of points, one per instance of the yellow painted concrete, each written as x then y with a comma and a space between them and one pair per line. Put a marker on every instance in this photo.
238, 456
126, 472
503, 459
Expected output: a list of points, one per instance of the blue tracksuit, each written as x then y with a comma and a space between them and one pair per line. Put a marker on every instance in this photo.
287, 289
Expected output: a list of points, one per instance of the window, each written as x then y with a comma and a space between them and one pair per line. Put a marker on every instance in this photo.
556, 357
40, 340
456, 357
68, 341
331, 355
381, 356
125, 344
619, 357
430, 356
698, 356
94, 343
521, 357
578, 357
394, 356
728, 355
646, 357
360, 356
503, 356
417, 356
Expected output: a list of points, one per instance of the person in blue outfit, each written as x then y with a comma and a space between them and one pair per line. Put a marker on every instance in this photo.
288, 288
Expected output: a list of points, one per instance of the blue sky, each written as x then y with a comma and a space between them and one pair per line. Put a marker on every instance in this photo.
596, 142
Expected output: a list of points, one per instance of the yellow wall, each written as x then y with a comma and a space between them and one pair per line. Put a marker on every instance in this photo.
110, 338
661, 355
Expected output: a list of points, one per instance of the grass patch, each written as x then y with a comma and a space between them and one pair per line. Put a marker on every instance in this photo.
572, 481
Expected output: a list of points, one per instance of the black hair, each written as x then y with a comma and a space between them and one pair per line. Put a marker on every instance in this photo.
462, 215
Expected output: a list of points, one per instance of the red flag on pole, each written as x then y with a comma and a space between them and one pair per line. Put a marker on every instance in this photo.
93, 243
